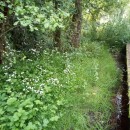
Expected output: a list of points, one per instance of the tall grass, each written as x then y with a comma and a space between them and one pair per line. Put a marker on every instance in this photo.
96, 77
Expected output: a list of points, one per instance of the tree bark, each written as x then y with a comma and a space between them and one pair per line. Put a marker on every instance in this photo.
76, 24
57, 33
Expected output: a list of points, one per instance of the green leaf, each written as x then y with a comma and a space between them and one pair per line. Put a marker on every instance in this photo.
10, 101
59, 102
38, 102
55, 118
26, 102
1, 111
16, 23
45, 122
1, 15
46, 25
15, 117
31, 126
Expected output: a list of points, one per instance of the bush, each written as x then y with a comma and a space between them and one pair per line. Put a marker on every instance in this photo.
115, 33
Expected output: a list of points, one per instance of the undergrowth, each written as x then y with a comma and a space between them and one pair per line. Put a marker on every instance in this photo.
58, 91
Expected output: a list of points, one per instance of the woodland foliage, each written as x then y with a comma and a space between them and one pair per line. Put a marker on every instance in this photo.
53, 55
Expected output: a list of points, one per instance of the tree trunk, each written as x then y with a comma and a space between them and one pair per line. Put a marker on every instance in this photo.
57, 39
2, 41
57, 33
2, 34
76, 24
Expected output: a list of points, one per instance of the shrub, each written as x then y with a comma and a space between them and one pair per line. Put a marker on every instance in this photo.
115, 33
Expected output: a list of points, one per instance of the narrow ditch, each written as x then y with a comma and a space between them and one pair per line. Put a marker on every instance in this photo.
122, 96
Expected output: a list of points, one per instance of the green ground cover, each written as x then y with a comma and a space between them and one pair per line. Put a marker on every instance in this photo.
58, 91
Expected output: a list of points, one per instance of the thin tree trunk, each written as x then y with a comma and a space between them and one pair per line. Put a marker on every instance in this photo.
2, 34
76, 24
2, 41
57, 39
57, 33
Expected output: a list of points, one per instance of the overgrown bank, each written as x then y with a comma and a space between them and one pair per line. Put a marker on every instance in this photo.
54, 91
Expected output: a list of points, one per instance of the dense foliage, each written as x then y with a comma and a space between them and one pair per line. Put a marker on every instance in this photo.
115, 33
56, 72
61, 20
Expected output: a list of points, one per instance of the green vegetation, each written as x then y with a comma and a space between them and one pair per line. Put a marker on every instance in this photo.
56, 69
117, 26
58, 91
